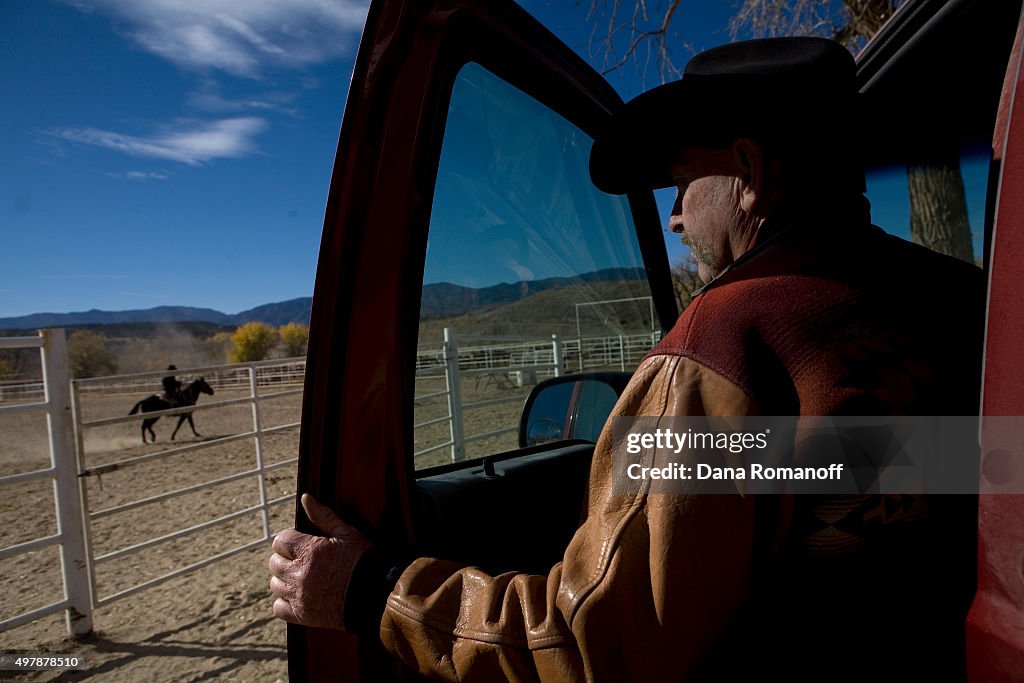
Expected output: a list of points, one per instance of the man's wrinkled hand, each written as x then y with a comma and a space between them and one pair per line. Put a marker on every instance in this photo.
310, 574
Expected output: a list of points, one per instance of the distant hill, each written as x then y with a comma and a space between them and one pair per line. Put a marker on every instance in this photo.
445, 300
295, 310
439, 301
281, 313
160, 314
553, 311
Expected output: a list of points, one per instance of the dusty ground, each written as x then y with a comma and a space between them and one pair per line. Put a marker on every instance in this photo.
209, 624
215, 622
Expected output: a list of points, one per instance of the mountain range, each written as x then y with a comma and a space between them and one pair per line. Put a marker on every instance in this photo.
439, 300
292, 311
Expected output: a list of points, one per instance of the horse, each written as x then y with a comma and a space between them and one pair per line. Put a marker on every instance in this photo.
186, 397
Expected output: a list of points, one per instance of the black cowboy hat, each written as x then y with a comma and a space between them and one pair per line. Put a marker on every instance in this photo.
788, 92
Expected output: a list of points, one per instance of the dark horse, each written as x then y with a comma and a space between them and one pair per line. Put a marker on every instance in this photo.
186, 397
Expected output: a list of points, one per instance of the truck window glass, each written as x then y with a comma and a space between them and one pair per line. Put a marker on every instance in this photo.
530, 271
889, 190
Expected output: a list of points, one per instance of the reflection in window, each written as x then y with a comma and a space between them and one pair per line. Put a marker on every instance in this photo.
938, 204
530, 271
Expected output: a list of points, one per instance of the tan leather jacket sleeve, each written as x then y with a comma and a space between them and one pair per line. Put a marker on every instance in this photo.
645, 587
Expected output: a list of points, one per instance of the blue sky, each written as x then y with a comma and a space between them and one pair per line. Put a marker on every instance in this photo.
157, 152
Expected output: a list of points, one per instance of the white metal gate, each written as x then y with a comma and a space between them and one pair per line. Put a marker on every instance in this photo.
63, 470
247, 375
68, 469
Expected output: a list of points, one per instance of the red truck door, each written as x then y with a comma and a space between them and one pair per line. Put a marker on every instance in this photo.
357, 442
995, 635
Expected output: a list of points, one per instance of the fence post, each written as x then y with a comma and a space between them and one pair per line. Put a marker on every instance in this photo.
70, 513
622, 354
83, 487
556, 354
258, 430
454, 381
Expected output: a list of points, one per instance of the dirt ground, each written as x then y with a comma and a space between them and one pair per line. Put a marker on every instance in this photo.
212, 623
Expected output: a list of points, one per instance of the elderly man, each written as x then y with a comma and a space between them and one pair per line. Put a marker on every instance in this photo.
807, 310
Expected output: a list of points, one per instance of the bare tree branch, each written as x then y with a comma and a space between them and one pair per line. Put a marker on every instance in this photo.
641, 31
645, 39
849, 22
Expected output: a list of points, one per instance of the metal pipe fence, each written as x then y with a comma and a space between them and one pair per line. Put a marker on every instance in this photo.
257, 376
77, 602
21, 390
275, 372
441, 370
515, 362
69, 468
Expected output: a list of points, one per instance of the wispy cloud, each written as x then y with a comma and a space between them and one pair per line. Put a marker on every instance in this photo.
84, 276
193, 143
141, 176
207, 97
241, 37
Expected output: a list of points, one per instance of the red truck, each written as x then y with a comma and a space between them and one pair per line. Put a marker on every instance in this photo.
460, 117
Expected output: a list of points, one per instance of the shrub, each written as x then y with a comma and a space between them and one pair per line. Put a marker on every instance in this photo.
251, 342
294, 337
88, 355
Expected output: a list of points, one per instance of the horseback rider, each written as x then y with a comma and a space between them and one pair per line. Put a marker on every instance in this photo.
172, 387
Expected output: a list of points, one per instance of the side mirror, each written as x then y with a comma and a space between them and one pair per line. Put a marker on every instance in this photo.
570, 407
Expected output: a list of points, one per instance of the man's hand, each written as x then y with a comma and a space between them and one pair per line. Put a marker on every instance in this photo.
310, 574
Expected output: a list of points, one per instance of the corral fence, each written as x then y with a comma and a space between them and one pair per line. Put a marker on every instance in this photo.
260, 382
20, 390
63, 471
287, 373
493, 363
508, 363
61, 401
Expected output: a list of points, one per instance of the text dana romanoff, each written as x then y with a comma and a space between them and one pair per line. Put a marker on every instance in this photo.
756, 471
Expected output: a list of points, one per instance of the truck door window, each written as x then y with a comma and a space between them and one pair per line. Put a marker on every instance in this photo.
530, 271
939, 189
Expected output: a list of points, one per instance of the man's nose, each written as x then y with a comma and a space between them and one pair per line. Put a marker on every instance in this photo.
675, 221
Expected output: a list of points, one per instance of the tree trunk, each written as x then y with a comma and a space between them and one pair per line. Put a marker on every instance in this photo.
938, 208
938, 204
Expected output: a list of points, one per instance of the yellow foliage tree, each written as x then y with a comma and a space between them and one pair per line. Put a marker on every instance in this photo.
251, 342
294, 337
88, 355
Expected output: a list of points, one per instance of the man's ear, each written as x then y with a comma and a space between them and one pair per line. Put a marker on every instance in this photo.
753, 167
